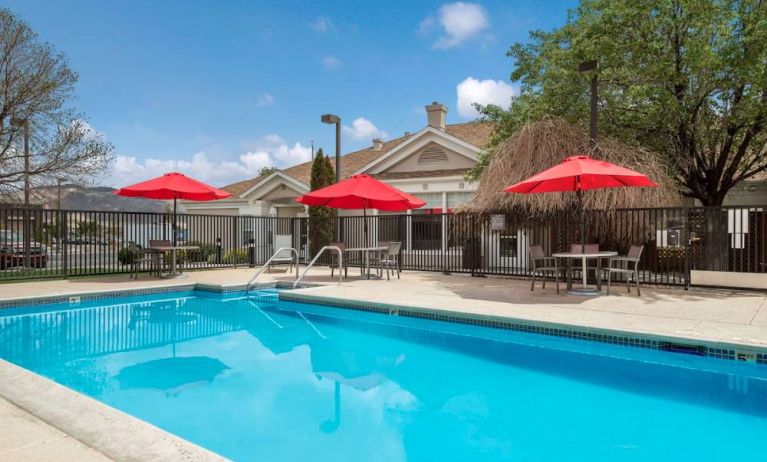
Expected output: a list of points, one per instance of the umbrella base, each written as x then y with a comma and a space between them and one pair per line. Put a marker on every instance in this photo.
585, 291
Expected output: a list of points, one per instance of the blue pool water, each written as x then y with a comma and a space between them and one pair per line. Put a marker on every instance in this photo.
261, 379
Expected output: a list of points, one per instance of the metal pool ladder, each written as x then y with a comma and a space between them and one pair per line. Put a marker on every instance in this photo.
293, 252
314, 260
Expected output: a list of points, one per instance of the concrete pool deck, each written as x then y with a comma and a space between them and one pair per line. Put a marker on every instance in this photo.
41, 420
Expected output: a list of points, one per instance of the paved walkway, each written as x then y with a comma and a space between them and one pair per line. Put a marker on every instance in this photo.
24, 437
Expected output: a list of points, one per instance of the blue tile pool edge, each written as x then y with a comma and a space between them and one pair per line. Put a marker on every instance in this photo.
680, 345
19, 302
717, 350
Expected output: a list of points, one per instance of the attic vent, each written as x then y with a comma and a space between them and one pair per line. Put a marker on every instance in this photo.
432, 155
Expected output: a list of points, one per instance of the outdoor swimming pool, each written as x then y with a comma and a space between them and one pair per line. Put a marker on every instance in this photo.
262, 379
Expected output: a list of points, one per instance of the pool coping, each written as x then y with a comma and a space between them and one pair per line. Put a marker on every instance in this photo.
111, 432
677, 344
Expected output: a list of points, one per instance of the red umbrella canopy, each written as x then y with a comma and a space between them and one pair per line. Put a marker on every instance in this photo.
361, 192
581, 173
173, 186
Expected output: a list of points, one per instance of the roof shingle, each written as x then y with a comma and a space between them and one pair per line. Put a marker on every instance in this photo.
475, 133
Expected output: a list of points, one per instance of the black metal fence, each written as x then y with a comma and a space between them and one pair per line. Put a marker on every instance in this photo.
37, 243
62, 243
676, 240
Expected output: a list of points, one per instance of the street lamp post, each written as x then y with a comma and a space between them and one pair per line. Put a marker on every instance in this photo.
334, 119
24, 123
590, 70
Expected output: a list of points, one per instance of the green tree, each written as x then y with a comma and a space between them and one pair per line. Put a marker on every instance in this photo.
321, 229
684, 78
265, 171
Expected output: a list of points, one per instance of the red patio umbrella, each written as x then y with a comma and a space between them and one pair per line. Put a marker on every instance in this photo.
173, 186
581, 173
362, 192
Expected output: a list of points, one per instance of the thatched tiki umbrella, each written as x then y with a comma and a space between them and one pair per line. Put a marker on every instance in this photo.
542, 144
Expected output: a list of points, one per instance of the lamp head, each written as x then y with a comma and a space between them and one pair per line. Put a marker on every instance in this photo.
588, 68
330, 119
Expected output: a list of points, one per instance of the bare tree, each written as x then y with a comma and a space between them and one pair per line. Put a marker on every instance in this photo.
36, 87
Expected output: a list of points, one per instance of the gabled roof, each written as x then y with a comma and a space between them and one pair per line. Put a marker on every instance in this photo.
474, 133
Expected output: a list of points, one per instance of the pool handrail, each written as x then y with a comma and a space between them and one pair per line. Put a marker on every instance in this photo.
316, 257
263, 268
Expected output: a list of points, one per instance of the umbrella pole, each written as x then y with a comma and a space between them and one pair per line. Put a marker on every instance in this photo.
581, 223
365, 222
174, 221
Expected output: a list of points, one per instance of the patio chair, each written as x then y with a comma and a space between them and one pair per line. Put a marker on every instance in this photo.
334, 262
592, 265
140, 257
543, 265
161, 262
286, 256
622, 265
389, 260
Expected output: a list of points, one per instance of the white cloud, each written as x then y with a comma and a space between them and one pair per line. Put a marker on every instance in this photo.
322, 25
484, 92
362, 128
265, 99
270, 151
331, 62
459, 22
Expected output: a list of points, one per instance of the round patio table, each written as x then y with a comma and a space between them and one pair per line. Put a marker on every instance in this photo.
585, 290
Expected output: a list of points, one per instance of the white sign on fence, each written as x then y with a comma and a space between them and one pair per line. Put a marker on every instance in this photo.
498, 222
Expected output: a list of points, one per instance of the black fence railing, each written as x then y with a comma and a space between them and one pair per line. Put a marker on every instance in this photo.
676, 240
38, 243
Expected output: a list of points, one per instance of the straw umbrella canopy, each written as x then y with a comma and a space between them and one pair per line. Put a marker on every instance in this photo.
547, 142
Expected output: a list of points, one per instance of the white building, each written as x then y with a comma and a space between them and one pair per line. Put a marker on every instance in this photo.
430, 164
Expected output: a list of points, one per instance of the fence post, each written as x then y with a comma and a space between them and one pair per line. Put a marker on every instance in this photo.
688, 249
252, 252
63, 233
218, 250
235, 246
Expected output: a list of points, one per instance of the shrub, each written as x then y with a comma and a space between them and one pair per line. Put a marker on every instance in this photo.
126, 256
233, 256
167, 258
202, 254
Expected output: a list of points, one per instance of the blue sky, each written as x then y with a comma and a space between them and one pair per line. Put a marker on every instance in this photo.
220, 88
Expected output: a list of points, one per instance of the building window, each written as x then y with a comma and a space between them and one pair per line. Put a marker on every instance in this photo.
433, 201
458, 199
508, 245
426, 232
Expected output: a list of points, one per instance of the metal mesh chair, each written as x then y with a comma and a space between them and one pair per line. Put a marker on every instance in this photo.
334, 263
543, 265
623, 265
139, 257
389, 260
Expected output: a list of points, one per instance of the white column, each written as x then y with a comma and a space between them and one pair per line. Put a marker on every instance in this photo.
409, 230
444, 222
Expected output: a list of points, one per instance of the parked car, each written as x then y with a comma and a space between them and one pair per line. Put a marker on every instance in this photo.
12, 251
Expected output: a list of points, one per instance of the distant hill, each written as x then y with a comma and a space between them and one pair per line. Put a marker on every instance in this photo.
98, 198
